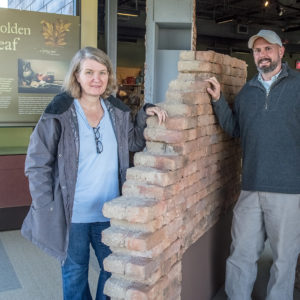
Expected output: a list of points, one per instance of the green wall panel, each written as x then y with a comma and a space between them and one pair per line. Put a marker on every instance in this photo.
14, 140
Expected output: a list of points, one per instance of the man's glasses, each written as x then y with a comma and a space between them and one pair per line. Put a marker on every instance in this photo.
99, 146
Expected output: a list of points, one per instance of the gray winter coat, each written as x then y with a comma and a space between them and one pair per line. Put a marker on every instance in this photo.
51, 167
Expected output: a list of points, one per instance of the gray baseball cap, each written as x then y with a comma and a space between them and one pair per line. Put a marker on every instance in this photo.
269, 35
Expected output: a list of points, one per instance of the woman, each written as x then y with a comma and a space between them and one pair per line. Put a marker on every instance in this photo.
76, 161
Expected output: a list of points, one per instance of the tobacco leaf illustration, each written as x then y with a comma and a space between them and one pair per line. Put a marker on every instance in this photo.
55, 33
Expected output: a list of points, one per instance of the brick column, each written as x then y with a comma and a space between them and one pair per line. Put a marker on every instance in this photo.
188, 175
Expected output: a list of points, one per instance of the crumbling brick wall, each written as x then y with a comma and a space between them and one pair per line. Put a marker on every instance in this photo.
188, 175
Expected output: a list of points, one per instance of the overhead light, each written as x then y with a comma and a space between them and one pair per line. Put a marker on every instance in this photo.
128, 13
266, 4
223, 20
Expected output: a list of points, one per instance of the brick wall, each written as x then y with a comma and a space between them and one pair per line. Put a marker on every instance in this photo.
188, 175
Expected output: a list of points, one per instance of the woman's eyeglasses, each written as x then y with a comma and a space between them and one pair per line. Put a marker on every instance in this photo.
99, 145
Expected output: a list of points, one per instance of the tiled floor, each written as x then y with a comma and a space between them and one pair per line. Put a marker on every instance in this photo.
26, 273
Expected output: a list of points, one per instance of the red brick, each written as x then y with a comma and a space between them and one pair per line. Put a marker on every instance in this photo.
201, 131
173, 97
177, 123
153, 176
217, 69
205, 56
134, 210
182, 148
195, 66
172, 228
218, 59
228, 70
205, 109
138, 224
187, 55
179, 109
188, 97
135, 189
144, 292
213, 129
140, 268
203, 141
204, 120
160, 162
134, 241
236, 72
220, 146
116, 287
202, 152
144, 241
196, 98
192, 77
227, 60
187, 86
170, 136
159, 148
115, 263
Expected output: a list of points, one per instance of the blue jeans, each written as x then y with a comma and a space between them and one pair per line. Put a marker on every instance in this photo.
76, 266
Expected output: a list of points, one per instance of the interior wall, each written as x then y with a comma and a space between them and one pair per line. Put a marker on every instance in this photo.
131, 54
209, 253
14, 140
14, 191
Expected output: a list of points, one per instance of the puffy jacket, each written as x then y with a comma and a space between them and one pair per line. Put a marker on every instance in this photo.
269, 128
51, 166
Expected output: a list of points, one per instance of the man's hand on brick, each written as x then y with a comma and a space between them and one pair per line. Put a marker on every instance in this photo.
215, 89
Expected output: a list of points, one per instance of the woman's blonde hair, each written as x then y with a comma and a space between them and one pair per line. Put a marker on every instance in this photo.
72, 86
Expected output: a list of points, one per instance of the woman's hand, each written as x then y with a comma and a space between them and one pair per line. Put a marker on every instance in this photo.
159, 112
215, 90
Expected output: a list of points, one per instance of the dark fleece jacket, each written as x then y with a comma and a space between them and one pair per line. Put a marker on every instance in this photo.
269, 128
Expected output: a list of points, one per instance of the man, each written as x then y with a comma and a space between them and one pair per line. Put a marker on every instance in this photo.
266, 117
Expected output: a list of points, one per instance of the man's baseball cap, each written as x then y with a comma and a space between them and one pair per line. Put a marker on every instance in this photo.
269, 35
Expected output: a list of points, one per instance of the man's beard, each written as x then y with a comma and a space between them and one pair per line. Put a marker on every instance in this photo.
267, 69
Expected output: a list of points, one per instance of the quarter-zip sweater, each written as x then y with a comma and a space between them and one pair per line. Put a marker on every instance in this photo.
268, 125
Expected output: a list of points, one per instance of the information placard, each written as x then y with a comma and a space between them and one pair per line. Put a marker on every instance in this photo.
35, 52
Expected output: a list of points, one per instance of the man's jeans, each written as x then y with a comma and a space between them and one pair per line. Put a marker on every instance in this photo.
257, 216
75, 268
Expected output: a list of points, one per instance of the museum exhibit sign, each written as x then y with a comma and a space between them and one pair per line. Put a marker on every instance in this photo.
35, 52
